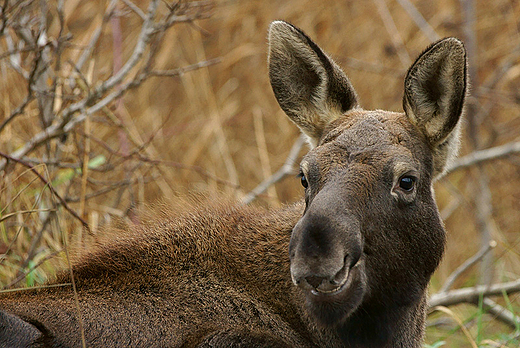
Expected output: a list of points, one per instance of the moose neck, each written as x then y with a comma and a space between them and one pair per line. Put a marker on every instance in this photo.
385, 325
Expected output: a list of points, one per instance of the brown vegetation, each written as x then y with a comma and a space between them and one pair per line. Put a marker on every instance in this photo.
219, 128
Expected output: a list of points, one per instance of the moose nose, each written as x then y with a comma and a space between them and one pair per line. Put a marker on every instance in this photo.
315, 281
318, 279
323, 284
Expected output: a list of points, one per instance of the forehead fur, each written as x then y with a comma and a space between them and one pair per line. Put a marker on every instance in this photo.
359, 130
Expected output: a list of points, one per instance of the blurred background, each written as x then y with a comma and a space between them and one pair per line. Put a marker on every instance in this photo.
105, 110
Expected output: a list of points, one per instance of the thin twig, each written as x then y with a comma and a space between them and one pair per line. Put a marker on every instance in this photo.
19, 110
417, 17
7, 216
46, 182
25, 273
92, 103
286, 169
466, 265
36, 288
35, 241
67, 121
134, 8
395, 36
183, 70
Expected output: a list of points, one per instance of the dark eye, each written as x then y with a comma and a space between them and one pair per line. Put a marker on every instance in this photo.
304, 180
407, 183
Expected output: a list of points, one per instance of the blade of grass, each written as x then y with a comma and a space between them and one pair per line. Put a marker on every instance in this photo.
465, 331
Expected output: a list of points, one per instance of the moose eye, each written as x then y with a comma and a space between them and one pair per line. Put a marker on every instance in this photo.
304, 181
407, 183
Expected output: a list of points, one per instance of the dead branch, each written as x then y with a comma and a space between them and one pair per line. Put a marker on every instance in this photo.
94, 101
48, 184
286, 169
134, 8
466, 265
94, 39
19, 110
417, 17
483, 196
395, 36
481, 156
471, 294
500, 313
183, 70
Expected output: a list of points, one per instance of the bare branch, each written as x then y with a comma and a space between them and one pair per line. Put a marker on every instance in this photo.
395, 36
466, 265
46, 182
501, 313
417, 17
481, 156
93, 41
19, 110
26, 272
134, 8
471, 294
68, 122
286, 169
183, 70
14, 56
116, 79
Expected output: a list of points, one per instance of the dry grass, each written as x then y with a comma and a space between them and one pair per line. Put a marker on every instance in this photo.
219, 128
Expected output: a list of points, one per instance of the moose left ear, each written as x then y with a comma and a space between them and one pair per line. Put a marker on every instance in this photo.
434, 93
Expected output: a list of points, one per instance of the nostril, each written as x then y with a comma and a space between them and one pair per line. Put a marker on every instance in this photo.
354, 260
314, 281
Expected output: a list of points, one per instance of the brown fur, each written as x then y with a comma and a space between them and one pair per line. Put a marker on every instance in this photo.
361, 249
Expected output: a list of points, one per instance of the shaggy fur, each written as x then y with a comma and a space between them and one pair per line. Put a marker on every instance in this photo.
348, 267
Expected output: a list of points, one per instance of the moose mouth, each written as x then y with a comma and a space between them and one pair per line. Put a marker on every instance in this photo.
343, 281
331, 305
333, 291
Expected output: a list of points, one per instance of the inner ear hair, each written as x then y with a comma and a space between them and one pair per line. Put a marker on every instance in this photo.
435, 89
310, 88
434, 95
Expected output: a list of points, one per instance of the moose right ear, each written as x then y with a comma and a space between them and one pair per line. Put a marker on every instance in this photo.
311, 89
434, 94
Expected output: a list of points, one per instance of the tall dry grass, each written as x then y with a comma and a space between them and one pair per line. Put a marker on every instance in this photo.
219, 128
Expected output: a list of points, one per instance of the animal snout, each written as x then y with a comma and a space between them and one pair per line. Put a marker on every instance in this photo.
323, 250
324, 282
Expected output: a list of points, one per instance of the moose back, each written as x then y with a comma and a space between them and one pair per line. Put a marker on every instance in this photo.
348, 266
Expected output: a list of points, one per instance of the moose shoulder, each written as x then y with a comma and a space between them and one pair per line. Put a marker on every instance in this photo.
349, 267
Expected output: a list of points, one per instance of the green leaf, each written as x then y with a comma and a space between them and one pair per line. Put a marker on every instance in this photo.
97, 161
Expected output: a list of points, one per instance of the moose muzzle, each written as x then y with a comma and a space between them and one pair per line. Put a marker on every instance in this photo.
325, 247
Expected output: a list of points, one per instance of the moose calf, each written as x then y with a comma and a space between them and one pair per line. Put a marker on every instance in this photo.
348, 267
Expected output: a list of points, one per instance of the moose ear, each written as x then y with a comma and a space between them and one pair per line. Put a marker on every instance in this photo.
434, 93
311, 89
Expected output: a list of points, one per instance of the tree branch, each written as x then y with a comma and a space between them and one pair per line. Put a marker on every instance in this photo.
481, 156
501, 313
286, 169
471, 294
417, 17
467, 264
47, 183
